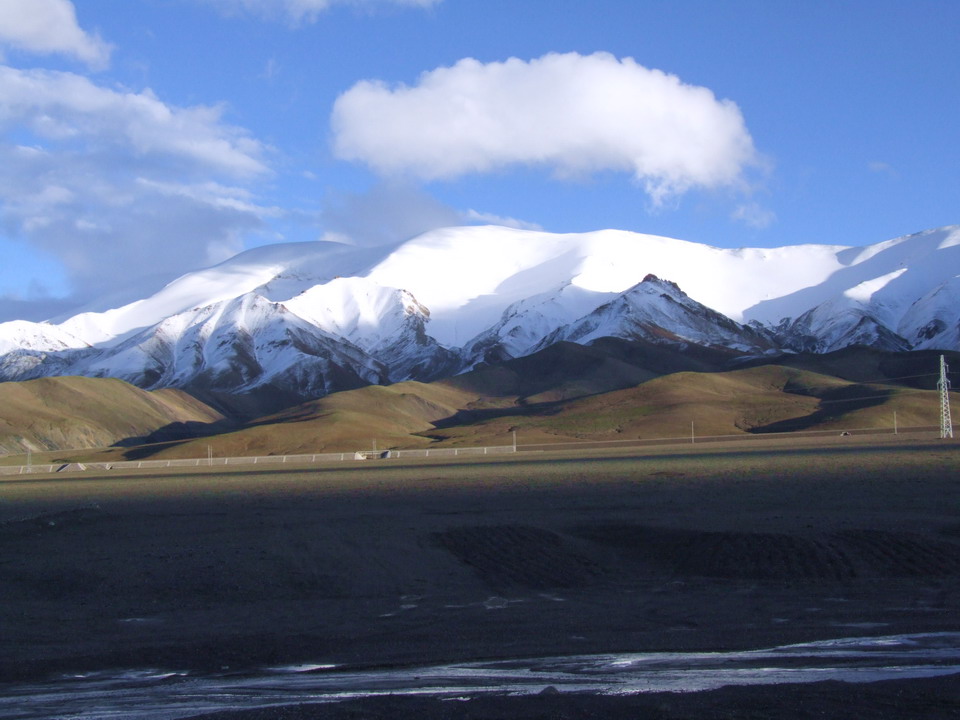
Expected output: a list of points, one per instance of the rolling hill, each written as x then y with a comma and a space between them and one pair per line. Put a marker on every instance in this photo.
78, 412
612, 390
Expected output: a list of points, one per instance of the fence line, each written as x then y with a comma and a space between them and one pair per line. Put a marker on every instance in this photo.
254, 460
431, 452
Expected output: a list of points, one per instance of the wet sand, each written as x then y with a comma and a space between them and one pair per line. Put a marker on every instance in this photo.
415, 564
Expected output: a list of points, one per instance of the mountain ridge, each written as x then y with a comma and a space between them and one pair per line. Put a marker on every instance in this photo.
302, 320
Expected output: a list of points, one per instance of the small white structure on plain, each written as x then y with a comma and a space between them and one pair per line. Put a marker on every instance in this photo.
943, 385
371, 454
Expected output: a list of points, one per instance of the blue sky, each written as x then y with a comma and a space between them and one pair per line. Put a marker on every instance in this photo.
140, 139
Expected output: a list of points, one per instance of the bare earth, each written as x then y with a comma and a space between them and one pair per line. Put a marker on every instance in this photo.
388, 564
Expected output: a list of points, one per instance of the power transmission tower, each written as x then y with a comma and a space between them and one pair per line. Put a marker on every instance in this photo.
943, 385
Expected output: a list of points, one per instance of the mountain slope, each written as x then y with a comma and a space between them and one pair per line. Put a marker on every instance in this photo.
279, 324
659, 311
77, 412
394, 415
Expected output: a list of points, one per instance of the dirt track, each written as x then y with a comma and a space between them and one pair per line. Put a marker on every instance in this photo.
417, 564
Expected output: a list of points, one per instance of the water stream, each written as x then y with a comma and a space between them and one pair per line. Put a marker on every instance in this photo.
170, 695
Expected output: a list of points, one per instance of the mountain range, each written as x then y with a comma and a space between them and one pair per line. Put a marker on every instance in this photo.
281, 324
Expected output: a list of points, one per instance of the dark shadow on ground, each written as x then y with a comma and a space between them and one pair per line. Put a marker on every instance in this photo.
175, 431
833, 404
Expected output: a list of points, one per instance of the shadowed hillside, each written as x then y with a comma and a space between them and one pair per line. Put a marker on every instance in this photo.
754, 400
614, 390
917, 369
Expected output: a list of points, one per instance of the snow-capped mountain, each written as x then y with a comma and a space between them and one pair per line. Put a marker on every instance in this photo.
304, 319
659, 311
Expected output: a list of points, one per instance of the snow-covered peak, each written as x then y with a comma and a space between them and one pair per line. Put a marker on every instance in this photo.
469, 276
357, 309
525, 323
657, 310
893, 273
41, 337
322, 315
305, 263
933, 321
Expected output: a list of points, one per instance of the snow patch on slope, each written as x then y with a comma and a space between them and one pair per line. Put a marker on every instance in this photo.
951, 239
864, 292
357, 309
933, 321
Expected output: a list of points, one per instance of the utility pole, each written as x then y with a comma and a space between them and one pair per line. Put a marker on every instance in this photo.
692, 436
946, 426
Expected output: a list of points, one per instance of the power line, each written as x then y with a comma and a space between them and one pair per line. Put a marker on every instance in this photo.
903, 377
868, 397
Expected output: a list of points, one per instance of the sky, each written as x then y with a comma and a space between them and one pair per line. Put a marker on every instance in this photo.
142, 139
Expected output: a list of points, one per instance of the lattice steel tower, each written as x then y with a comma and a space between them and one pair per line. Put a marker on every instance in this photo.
943, 385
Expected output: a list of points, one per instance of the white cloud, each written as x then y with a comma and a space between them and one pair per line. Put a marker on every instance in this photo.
213, 194
298, 11
754, 215
50, 26
882, 168
573, 114
271, 70
120, 186
63, 107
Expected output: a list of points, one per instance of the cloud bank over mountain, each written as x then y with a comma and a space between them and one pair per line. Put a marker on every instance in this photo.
100, 175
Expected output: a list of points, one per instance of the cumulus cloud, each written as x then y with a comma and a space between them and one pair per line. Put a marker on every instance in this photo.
66, 108
50, 26
570, 113
120, 186
299, 11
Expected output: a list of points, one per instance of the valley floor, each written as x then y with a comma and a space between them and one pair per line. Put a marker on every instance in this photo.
365, 566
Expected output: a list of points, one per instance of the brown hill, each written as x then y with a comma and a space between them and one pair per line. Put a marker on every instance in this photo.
79, 412
408, 414
565, 370
753, 400
604, 392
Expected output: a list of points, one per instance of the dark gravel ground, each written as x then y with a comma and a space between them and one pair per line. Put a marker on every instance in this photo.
432, 563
